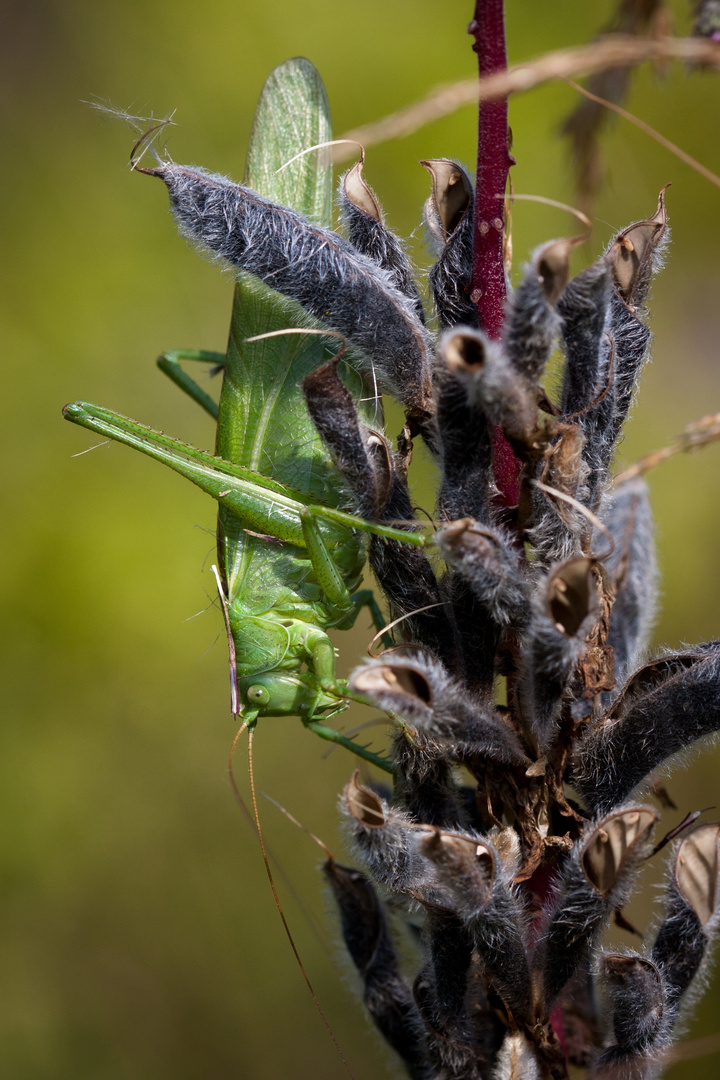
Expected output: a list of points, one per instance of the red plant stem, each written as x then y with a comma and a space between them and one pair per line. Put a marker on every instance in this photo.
493, 164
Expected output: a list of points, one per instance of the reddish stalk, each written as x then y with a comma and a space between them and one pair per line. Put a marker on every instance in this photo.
493, 164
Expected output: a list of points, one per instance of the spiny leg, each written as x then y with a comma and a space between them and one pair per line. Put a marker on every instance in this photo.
170, 364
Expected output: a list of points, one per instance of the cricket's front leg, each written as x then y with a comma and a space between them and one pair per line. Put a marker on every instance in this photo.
170, 363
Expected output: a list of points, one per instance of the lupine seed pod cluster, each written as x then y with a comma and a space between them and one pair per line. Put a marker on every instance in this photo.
513, 877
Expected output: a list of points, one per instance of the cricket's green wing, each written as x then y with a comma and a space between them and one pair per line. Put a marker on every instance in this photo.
292, 115
263, 421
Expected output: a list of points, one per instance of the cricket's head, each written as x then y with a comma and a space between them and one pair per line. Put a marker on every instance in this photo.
281, 693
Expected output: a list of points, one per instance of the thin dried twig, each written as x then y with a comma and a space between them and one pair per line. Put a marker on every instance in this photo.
671, 146
612, 51
695, 436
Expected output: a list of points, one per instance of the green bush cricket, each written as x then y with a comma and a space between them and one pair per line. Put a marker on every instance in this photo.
290, 560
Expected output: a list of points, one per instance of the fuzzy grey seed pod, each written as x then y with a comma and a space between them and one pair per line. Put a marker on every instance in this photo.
632, 257
492, 383
566, 609
488, 560
449, 219
637, 253
321, 271
584, 308
632, 567
362, 456
532, 323
425, 785
597, 877
555, 527
369, 235
385, 840
664, 708
386, 996
421, 692
465, 438
636, 999
466, 865
487, 902
692, 911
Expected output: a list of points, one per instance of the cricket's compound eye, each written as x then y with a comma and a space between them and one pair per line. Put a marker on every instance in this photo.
258, 695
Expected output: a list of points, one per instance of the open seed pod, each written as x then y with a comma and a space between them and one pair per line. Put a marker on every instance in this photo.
697, 865
450, 200
455, 723
615, 846
596, 878
465, 865
634, 252
356, 190
572, 596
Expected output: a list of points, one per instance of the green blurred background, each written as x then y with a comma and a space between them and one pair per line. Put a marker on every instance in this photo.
139, 938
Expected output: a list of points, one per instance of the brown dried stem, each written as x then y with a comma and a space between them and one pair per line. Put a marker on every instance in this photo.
612, 51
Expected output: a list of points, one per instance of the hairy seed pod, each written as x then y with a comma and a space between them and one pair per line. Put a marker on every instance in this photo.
597, 876
385, 840
465, 438
449, 219
637, 253
584, 310
632, 568
492, 383
485, 899
532, 323
425, 786
692, 911
636, 998
368, 234
556, 528
363, 457
665, 707
385, 994
312, 265
565, 611
423, 694
488, 560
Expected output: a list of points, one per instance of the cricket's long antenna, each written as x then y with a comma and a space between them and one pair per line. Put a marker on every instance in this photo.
400, 618
303, 828
278, 905
313, 922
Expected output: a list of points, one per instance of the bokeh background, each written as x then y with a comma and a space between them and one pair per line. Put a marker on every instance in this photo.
138, 937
